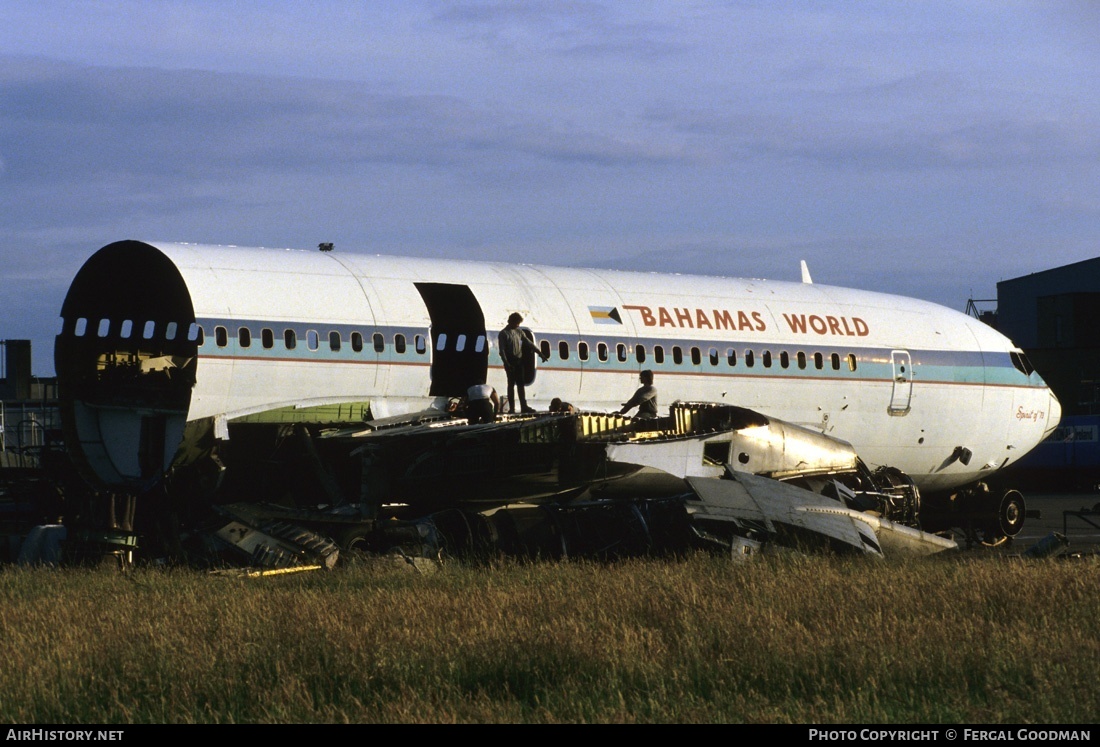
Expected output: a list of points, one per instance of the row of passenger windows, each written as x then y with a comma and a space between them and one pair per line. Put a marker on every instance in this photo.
126, 329
713, 356
675, 353
313, 340
603, 352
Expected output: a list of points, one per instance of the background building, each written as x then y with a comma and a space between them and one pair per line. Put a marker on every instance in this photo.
28, 404
1054, 315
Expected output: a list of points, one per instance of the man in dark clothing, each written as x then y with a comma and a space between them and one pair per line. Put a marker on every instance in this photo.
511, 343
645, 398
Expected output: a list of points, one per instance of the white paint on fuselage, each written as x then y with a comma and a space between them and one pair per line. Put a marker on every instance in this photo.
972, 401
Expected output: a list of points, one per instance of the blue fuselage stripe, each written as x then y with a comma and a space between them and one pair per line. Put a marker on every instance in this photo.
872, 363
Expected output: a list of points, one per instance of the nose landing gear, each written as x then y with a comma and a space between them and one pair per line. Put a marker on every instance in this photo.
1001, 517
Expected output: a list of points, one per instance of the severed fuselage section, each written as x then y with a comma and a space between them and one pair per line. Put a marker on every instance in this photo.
125, 362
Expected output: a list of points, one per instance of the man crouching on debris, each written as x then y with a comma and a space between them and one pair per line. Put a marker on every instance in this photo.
482, 404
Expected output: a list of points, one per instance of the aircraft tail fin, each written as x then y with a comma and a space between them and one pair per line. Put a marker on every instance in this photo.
806, 274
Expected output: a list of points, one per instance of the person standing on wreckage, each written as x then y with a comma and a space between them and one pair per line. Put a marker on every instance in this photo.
511, 343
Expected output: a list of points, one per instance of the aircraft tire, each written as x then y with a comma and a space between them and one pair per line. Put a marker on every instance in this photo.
1008, 519
1011, 512
356, 538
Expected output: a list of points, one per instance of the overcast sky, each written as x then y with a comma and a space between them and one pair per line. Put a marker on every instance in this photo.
923, 148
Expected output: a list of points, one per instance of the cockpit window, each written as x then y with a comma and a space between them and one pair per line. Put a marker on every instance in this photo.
1022, 364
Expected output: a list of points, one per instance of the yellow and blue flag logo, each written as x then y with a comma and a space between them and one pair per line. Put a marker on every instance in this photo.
605, 315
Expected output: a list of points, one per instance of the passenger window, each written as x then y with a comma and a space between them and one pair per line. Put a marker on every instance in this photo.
127, 328
834, 359
244, 337
658, 354
104, 327
313, 340
267, 338
582, 350
713, 355
801, 360
221, 336
460, 343
149, 331
766, 359
379, 342
479, 344
422, 347
851, 361
334, 341
819, 361
563, 349
677, 355
399, 343
639, 353
80, 327
750, 359
194, 332
696, 356
170, 331
731, 357
784, 359
601, 352
290, 340
544, 347
620, 352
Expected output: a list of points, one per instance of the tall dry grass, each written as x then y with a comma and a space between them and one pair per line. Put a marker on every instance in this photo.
785, 639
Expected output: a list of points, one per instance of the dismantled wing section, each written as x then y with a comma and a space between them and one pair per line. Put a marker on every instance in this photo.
894, 539
749, 507
767, 510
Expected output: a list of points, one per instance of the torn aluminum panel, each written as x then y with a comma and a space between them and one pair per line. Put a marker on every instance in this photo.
763, 509
894, 539
279, 545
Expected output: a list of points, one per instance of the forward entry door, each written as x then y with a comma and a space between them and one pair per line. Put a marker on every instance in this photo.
460, 350
903, 382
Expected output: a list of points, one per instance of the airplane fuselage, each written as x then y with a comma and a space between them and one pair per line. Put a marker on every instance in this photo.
158, 338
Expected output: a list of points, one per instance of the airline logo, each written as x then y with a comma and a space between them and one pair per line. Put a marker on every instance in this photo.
699, 318
605, 315
747, 321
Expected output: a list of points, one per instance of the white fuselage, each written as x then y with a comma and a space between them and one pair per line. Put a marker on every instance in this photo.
910, 384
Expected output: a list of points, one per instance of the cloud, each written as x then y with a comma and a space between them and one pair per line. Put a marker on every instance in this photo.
729, 138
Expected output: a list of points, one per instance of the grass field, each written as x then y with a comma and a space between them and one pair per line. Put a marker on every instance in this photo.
948, 639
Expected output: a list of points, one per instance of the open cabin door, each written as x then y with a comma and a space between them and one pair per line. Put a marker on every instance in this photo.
528, 358
902, 392
460, 350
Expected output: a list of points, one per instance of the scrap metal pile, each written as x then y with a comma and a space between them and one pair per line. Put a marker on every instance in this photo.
578, 486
